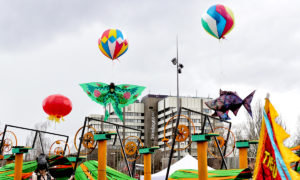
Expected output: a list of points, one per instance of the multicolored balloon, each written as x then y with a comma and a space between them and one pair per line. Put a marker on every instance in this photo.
218, 21
112, 43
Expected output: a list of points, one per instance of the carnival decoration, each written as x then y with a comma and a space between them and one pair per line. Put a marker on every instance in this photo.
229, 100
185, 129
273, 159
59, 167
57, 106
131, 146
112, 44
226, 140
218, 21
10, 140
296, 149
118, 96
191, 174
88, 170
88, 142
58, 148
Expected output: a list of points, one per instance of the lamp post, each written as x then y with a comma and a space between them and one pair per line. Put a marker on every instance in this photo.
179, 68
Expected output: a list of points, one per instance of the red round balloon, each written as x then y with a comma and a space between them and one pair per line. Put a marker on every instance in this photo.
57, 106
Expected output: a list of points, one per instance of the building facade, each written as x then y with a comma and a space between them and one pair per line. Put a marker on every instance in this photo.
133, 117
151, 115
167, 108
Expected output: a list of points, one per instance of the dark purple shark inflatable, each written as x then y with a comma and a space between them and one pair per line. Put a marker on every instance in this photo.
229, 100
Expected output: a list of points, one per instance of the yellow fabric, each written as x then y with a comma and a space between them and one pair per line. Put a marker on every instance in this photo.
55, 118
103, 51
261, 144
280, 134
112, 32
124, 47
104, 39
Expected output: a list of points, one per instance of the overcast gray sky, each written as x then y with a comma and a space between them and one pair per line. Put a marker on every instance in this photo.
50, 46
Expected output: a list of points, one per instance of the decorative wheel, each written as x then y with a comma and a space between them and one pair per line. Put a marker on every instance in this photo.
131, 147
88, 142
10, 140
8, 144
59, 151
230, 144
183, 132
58, 148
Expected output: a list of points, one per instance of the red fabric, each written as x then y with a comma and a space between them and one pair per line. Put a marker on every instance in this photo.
229, 21
268, 172
57, 105
118, 47
106, 33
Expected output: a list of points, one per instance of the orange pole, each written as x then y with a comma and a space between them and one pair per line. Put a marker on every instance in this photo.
147, 166
18, 166
243, 158
102, 150
202, 160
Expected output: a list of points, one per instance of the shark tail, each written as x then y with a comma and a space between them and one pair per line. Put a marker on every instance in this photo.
247, 102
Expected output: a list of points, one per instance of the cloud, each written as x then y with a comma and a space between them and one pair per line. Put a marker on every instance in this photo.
51, 46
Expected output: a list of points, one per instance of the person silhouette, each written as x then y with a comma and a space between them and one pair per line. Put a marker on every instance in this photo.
41, 172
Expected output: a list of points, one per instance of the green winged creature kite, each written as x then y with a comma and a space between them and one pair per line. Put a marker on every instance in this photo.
118, 96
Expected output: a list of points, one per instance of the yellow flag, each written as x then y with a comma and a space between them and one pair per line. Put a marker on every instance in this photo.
273, 159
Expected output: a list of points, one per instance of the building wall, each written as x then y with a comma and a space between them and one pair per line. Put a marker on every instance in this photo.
133, 117
150, 122
167, 108
150, 115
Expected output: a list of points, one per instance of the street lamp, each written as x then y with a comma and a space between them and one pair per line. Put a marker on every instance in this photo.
179, 68
179, 71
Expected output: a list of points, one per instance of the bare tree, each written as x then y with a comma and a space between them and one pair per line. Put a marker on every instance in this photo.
38, 149
250, 129
296, 138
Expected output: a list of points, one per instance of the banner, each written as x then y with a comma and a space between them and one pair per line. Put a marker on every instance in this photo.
273, 159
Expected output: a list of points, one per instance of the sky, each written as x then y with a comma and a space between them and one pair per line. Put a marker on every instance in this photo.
49, 47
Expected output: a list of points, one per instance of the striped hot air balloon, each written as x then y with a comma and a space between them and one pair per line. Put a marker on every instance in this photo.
112, 43
218, 21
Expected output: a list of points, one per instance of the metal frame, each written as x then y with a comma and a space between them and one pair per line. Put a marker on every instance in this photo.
206, 118
173, 144
87, 121
35, 136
